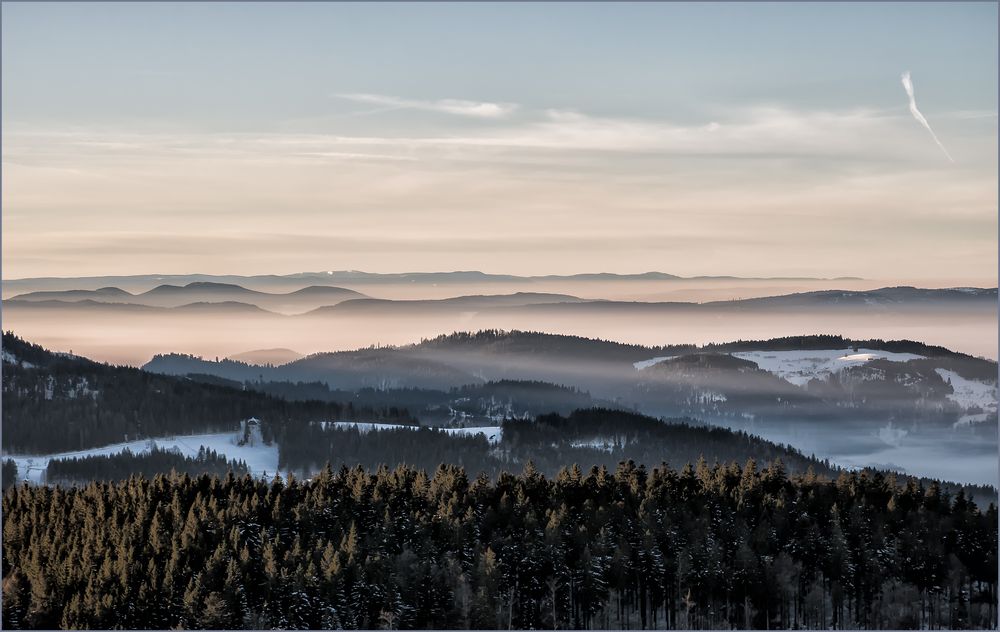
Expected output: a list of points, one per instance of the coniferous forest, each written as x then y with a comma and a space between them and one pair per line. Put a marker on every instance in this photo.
410, 526
120, 466
706, 547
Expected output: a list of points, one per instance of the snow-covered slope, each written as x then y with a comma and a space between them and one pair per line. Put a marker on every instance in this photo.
645, 364
799, 367
262, 460
970, 393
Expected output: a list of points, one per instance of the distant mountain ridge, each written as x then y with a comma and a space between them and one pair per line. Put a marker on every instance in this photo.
170, 296
322, 300
359, 277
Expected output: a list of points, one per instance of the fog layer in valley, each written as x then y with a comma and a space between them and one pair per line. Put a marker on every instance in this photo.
132, 336
276, 320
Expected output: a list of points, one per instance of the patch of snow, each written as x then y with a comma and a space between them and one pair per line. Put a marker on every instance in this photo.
82, 389
970, 393
364, 426
492, 433
645, 364
261, 460
598, 443
800, 367
10, 358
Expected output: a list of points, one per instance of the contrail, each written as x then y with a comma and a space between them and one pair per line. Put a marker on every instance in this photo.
908, 86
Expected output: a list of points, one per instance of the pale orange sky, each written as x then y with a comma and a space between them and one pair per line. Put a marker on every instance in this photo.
274, 155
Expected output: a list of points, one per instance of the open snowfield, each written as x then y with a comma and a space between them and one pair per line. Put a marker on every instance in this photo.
262, 460
798, 367
970, 393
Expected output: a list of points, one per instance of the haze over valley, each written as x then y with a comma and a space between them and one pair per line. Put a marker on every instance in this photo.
901, 378
312, 313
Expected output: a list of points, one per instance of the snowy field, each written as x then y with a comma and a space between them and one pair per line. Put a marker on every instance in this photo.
262, 460
799, 367
970, 393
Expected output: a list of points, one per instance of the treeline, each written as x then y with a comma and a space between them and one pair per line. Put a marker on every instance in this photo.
8, 472
306, 448
120, 466
721, 547
611, 436
57, 403
721, 385
501, 341
598, 436
545, 345
516, 398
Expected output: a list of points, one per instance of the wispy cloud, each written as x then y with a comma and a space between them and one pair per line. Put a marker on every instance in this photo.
557, 137
908, 86
460, 107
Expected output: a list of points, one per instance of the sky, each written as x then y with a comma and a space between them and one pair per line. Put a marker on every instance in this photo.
525, 138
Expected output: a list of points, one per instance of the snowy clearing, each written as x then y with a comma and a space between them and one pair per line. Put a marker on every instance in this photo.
493, 433
645, 364
260, 459
799, 367
970, 393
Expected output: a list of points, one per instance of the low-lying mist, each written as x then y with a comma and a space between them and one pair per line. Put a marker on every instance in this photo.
132, 337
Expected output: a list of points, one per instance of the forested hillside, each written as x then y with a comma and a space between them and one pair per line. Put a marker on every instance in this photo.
55, 403
713, 548
490, 401
125, 464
